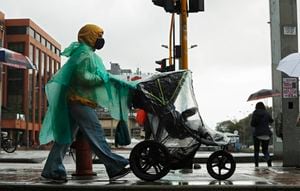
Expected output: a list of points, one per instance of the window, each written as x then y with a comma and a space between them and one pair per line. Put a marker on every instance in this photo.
57, 66
37, 37
43, 41
31, 55
49, 45
48, 64
15, 88
42, 64
53, 48
57, 51
52, 67
47, 67
31, 32
17, 46
37, 58
13, 30
31, 52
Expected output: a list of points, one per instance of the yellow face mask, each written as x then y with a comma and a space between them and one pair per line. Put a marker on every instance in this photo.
89, 34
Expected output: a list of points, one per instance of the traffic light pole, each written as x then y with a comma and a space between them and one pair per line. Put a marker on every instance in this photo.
284, 41
170, 39
180, 7
183, 64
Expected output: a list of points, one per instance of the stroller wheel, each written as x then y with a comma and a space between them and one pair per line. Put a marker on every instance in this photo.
220, 165
149, 160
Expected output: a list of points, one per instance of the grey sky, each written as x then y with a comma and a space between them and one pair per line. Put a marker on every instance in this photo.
232, 60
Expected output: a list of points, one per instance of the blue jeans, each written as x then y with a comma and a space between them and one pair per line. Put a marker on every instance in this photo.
265, 150
87, 121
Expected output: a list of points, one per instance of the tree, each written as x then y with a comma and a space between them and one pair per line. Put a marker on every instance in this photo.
226, 126
242, 126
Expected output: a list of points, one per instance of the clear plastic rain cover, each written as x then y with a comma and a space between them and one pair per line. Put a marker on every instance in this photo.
172, 110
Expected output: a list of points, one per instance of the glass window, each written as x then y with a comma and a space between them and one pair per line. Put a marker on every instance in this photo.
17, 46
31, 32
49, 45
31, 56
37, 57
43, 41
52, 67
11, 30
48, 64
31, 52
47, 67
42, 63
15, 88
37, 37
57, 66
57, 51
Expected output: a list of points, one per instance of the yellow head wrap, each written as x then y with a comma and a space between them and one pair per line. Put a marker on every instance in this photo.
89, 34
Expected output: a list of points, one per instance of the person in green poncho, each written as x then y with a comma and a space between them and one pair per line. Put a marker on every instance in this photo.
73, 93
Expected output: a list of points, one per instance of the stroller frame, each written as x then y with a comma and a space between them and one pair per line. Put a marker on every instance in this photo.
174, 140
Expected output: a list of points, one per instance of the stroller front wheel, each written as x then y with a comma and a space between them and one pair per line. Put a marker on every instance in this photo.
149, 160
220, 165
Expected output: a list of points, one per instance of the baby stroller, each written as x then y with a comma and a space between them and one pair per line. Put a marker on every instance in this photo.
177, 130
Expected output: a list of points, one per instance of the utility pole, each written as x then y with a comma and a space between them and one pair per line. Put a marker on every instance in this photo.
183, 62
284, 41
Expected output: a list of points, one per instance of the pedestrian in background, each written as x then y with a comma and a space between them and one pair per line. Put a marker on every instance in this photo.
262, 133
73, 93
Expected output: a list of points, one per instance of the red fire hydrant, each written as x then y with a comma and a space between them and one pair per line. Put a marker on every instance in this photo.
84, 161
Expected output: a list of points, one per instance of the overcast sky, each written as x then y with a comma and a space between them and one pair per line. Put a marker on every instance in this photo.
232, 60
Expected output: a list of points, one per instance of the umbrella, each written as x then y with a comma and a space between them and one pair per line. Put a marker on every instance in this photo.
290, 65
264, 93
15, 59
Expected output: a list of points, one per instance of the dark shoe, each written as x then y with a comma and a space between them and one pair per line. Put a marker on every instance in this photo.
197, 166
57, 179
121, 174
256, 164
186, 170
269, 162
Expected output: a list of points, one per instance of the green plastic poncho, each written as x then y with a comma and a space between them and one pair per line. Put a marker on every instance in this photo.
112, 93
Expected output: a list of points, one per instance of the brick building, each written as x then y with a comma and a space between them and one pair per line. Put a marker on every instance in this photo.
23, 98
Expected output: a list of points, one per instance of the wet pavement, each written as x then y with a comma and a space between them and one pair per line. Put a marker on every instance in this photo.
26, 176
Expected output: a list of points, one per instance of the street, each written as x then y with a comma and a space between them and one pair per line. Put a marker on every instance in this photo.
14, 176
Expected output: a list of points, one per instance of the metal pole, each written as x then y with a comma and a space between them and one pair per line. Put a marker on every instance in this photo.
285, 41
170, 40
174, 46
183, 35
276, 75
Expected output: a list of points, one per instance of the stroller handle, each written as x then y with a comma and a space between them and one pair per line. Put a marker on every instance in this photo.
208, 142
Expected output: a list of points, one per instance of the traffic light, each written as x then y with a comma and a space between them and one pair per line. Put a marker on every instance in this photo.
170, 68
173, 6
160, 3
170, 6
196, 6
162, 64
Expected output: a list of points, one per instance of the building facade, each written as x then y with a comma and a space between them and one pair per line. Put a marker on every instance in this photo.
2, 28
24, 101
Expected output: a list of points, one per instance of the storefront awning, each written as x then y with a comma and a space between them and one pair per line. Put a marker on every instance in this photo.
15, 59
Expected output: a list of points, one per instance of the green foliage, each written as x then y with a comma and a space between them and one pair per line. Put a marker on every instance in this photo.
242, 126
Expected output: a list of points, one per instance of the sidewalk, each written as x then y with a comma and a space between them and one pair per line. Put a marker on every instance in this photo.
24, 156
25, 176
